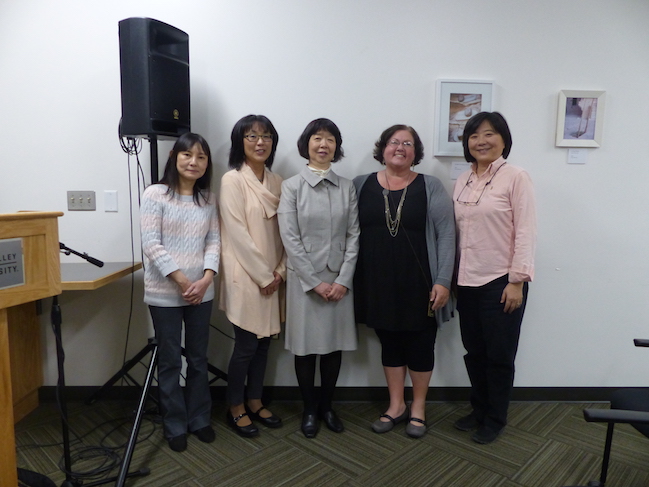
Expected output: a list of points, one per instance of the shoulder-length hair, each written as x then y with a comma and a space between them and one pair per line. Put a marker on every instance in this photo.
499, 124
316, 126
237, 153
171, 177
387, 134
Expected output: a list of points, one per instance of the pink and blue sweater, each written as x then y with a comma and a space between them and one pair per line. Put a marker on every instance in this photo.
177, 234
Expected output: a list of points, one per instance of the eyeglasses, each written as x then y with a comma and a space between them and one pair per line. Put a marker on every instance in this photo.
254, 137
406, 144
476, 202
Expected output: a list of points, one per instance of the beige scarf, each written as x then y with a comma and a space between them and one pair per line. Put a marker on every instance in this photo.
269, 202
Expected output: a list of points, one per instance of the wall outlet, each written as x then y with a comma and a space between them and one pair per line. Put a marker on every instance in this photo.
81, 201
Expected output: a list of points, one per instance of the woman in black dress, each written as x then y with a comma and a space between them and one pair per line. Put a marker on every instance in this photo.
404, 270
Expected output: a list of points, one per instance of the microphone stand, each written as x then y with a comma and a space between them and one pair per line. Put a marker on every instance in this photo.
56, 319
68, 251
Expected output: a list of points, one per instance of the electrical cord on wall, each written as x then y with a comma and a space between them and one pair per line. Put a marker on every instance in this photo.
132, 147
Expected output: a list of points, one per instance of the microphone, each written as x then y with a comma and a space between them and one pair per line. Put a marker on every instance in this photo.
92, 260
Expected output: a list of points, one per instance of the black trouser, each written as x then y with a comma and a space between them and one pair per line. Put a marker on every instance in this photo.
490, 337
248, 361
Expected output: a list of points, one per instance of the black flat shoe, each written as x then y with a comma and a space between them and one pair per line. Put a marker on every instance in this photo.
332, 421
245, 431
205, 434
271, 422
467, 423
379, 426
310, 424
178, 443
485, 435
416, 430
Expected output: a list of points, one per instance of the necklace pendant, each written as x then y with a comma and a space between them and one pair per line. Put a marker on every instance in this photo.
393, 224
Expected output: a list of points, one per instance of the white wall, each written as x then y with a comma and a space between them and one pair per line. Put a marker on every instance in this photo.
366, 65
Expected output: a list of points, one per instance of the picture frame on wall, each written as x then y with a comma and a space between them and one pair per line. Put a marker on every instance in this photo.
580, 118
457, 101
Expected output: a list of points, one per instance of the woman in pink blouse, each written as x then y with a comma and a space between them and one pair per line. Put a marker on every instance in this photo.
496, 228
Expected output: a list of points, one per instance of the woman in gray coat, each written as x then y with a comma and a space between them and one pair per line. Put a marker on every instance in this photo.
318, 221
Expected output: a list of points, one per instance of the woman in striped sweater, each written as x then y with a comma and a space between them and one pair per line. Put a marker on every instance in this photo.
181, 244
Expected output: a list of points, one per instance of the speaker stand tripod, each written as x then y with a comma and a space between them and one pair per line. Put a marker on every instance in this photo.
123, 373
130, 446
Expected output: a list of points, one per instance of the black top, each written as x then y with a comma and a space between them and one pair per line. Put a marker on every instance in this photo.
392, 282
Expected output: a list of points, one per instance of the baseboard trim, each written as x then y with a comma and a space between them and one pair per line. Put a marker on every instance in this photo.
356, 394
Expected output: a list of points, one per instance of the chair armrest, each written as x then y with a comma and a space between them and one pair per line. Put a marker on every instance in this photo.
616, 416
641, 342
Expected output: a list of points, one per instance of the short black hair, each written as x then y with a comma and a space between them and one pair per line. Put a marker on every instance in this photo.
499, 124
237, 153
379, 146
171, 177
316, 126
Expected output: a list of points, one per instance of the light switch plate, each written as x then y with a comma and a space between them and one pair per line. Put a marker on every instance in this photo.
81, 201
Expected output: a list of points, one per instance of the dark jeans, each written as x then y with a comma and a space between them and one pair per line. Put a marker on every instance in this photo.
187, 410
490, 337
248, 361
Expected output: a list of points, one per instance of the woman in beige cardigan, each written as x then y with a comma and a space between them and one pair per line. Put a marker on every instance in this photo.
253, 267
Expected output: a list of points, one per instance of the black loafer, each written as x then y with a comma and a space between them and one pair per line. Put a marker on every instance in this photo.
178, 443
205, 434
332, 421
310, 424
245, 431
467, 423
485, 435
271, 422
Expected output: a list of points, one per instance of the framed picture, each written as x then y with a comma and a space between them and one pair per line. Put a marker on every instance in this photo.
580, 118
457, 102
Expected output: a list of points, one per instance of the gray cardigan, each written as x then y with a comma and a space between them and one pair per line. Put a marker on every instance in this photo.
440, 237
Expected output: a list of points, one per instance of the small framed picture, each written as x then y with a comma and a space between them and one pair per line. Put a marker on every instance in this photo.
457, 102
580, 118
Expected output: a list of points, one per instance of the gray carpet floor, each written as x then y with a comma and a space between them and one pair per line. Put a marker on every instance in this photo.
545, 444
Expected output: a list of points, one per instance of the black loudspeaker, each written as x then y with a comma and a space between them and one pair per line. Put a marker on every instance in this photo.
154, 65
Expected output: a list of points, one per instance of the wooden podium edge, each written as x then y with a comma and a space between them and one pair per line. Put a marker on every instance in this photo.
23, 225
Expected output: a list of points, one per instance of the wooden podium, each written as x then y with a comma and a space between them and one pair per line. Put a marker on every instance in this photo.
38, 235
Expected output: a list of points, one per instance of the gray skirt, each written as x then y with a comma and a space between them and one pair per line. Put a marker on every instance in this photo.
315, 326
